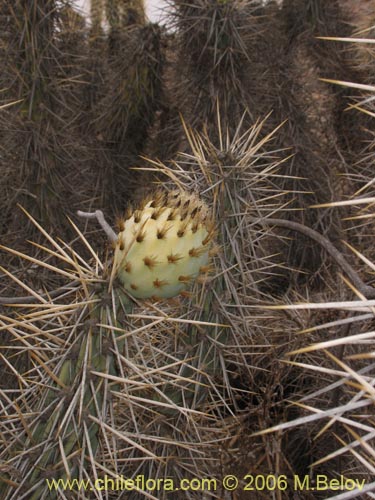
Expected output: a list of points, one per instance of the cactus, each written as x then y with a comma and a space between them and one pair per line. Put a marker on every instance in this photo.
104, 369
212, 59
336, 395
142, 358
73, 395
66, 396
44, 148
341, 377
128, 94
121, 14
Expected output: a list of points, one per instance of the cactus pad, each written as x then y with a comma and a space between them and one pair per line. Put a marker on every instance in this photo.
164, 245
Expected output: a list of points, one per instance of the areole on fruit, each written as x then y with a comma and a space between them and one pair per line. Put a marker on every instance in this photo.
164, 245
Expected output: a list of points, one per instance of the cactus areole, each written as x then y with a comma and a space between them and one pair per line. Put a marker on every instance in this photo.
164, 245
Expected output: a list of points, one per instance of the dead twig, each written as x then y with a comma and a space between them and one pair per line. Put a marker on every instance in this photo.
99, 216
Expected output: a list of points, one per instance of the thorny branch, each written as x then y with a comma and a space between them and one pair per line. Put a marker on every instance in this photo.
29, 299
366, 290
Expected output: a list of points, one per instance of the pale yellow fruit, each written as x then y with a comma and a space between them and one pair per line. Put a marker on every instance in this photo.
164, 246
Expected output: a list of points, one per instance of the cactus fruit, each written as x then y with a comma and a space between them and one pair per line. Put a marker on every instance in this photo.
164, 246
